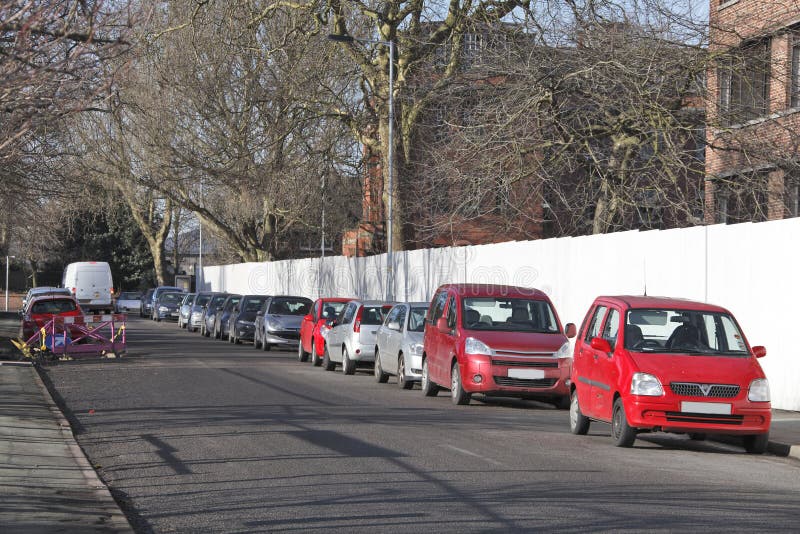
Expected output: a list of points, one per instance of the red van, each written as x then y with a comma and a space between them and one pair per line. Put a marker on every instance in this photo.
496, 340
647, 364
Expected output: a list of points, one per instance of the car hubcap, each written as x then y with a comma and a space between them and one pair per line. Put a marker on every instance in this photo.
425, 375
573, 411
615, 423
401, 371
455, 382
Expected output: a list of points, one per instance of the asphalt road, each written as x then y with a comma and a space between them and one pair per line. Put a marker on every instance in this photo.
195, 435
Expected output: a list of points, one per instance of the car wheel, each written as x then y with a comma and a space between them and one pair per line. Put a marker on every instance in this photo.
204, 331
217, 333
316, 361
429, 389
457, 393
756, 443
231, 339
380, 376
302, 356
256, 344
264, 345
348, 365
236, 340
401, 373
578, 423
327, 363
624, 435
562, 403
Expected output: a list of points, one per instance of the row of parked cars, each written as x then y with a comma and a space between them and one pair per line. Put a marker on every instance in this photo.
642, 364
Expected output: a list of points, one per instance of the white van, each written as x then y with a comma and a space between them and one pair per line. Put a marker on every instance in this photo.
90, 282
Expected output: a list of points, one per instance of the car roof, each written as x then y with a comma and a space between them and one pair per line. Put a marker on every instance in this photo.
40, 298
644, 301
414, 304
494, 290
373, 302
336, 299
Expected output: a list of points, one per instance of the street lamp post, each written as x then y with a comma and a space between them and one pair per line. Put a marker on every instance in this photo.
390, 157
8, 263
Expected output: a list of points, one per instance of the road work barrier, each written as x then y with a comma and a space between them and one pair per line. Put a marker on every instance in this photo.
64, 337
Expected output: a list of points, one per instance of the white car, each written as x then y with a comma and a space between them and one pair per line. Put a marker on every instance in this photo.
128, 301
398, 351
352, 338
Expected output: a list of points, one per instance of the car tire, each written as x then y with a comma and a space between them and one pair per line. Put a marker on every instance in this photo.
265, 346
623, 434
302, 356
217, 333
231, 339
402, 382
256, 344
578, 423
380, 376
756, 443
697, 436
316, 361
457, 393
348, 365
429, 389
327, 363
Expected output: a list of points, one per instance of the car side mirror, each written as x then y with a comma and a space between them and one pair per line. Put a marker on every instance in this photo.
394, 325
598, 343
441, 325
570, 331
308, 317
759, 351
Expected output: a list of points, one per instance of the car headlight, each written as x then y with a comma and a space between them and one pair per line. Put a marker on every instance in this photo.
245, 323
163, 309
416, 349
645, 384
564, 351
476, 346
759, 390
273, 324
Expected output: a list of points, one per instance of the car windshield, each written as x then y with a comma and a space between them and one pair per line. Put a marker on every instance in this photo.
416, 323
331, 309
130, 296
53, 306
683, 331
170, 298
187, 299
232, 301
202, 300
289, 306
253, 304
509, 315
217, 301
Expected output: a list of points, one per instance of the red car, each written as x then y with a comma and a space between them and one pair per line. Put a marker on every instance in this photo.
495, 340
41, 309
647, 364
314, 328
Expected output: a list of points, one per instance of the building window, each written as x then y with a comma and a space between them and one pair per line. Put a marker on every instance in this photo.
722, 207
472, 45
791, 196
795, 96
743, 83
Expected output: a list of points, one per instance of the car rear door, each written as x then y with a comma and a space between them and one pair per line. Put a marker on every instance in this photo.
606, 374
433, 338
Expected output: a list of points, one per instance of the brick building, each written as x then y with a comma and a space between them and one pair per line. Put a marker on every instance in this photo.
753, 100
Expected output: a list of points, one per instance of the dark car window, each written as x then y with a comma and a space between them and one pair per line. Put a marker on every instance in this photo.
331, 309
170, 298
392, 315
217, 301
416, 322
401, 316
438, 306
372, 315
594, 324
348, 313
130, 296
253, 304
202, 300
451, 313
289, 306
611, 329
53, 306
232, 301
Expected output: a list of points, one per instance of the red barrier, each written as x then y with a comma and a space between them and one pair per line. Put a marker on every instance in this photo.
87, 334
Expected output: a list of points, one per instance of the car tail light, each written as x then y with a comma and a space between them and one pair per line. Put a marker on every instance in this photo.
357, 323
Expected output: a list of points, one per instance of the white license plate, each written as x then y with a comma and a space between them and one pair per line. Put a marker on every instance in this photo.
715, 408
531, 374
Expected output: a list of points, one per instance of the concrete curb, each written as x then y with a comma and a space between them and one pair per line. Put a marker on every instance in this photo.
117, 521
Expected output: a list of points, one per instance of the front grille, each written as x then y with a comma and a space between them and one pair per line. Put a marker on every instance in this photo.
717, 391
285, 334
523, 363
525, 382
680, 417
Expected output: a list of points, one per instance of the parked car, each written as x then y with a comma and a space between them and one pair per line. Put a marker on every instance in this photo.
314, 328
647, 364
167, 306
41, 309
241, 323
127, 301
147, 303
352, 338
157, 294
210, 311
91, 284
221, 317
496, 340
278, 321
201, 300
43, 290
185, 309
398, 348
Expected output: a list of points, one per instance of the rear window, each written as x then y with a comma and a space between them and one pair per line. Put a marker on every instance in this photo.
130, 296
170, 298
374, 315
288, 306
54, 306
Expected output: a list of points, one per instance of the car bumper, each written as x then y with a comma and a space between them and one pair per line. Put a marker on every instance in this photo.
414, 367
666, 415
245, 332
540, 379
169, 316
362, 353
282, 338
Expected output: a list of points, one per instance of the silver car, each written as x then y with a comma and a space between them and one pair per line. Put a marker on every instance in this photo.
185, 309
352, 338
278, 322
127, 301
398, 351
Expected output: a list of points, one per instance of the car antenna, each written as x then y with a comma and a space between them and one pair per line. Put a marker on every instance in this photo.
644, 274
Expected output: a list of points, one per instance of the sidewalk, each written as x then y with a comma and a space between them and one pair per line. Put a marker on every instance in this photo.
48, 485
46, 482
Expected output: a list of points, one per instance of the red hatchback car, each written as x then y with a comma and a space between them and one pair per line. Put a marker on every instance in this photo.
496, 340
40, 310
314, 328
647, 364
